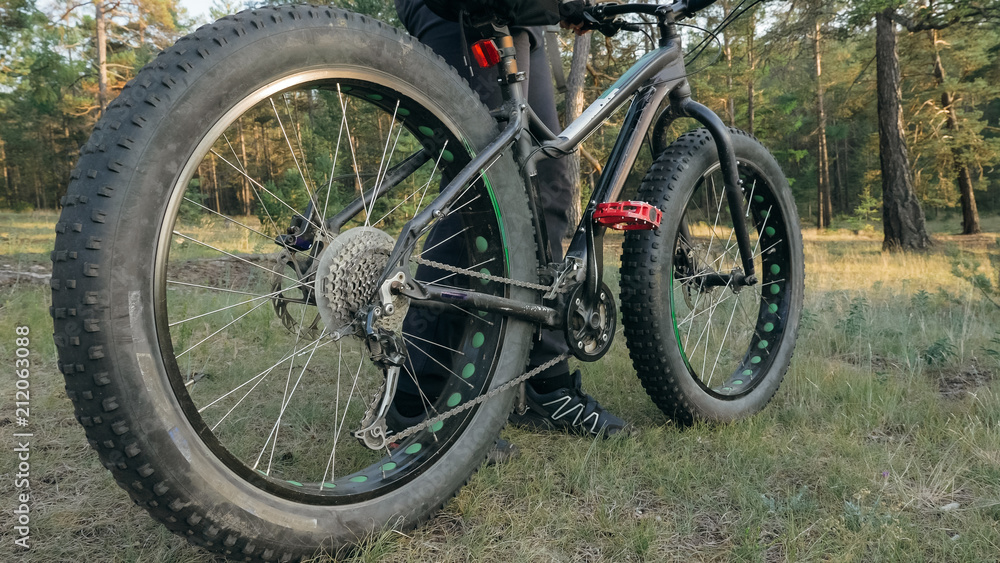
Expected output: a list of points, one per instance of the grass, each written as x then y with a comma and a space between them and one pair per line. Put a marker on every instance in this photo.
881, 445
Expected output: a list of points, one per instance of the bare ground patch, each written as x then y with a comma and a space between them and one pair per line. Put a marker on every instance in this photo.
958, 381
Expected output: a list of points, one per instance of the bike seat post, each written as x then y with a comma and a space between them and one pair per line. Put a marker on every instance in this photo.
510, 76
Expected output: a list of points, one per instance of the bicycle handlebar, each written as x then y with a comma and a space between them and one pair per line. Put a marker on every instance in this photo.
697, 5
603, 15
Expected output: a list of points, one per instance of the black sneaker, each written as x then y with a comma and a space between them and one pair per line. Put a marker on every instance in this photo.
568, 409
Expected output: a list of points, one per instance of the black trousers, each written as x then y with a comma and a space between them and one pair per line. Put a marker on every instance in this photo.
445, 38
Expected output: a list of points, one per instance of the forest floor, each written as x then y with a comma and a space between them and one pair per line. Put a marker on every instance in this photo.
883, 443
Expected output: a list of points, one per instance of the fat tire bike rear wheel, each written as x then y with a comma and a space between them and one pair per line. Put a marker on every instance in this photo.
704, 346
190, 341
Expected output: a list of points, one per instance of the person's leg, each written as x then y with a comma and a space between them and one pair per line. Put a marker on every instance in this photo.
555, 396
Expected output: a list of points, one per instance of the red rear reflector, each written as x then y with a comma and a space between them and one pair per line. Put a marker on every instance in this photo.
486, 53
628, 215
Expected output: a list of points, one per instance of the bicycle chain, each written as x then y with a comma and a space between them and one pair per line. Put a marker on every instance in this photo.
480, 275
399, 437
478, 400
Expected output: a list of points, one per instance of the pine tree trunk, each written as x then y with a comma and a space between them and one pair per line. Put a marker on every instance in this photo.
102, 54
3, 166
903, 219
215, 184
246, 196
824, 215
970, 214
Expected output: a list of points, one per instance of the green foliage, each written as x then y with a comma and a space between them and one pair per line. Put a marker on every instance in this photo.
971, 269
939, 351
868, 206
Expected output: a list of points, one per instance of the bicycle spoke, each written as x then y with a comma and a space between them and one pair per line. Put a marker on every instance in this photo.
433, 359
302, 175
227, 307
459, 233
722, 345
230, 219
442, 346
284, 405
259, 375
383, 166
339, 429
431, 179
354, 156
267, 191
244, 260
222, 289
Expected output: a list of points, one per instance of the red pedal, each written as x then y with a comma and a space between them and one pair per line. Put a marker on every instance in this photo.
628, 215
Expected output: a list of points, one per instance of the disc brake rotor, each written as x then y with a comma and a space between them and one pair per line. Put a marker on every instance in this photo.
285, 295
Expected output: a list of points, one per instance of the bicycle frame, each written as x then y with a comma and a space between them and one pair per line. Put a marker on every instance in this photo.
657, 75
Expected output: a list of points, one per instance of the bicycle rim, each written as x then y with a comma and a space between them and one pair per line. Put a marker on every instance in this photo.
258, 375
727, 334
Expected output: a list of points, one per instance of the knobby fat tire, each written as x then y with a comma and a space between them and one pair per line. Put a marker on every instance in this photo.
103, 275
649, 270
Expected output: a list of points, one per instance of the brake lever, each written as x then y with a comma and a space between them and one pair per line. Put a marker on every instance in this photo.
606, 28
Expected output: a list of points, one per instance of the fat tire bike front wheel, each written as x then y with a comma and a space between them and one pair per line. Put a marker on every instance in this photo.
705, 345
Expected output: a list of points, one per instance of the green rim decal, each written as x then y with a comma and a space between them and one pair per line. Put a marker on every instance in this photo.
738, 382
772, 308
414, 448
768, 327
770, 231
425, 130
389, 466
485, 272
447, 156
359, 479
403, 111
478, 339
296, 483
468, 371
747, 372
482, 245
775, 289
376, 97
437, 426
455, 399
775, 269
677, 330
762, 344
755, 360
329, 486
